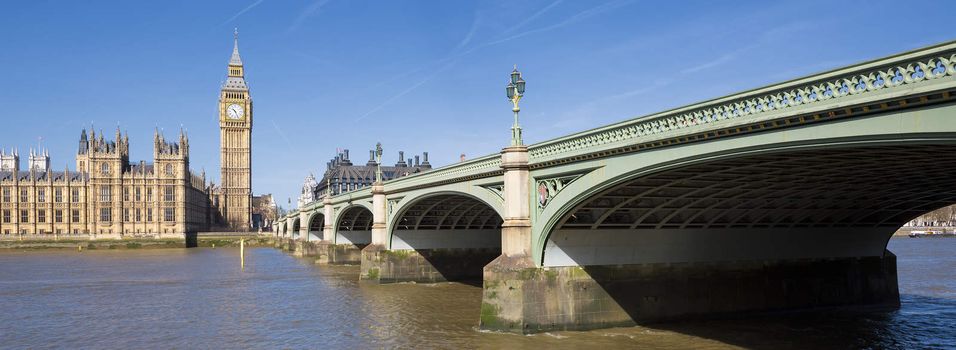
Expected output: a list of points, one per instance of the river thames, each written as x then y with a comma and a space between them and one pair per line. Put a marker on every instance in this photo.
200, 298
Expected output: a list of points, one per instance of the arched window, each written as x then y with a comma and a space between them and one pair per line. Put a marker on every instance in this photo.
169, 169
105, 168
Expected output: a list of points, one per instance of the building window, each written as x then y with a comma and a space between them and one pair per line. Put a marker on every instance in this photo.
6, 216
104, 194
139, 215
24, 195
41, 216
106, 215
126, 194
149, 214
6, 195
169, 169
149, 194
58, 216
58, 195
170, 194
24, 216
126, 215
168, 215
75, 195
105, 169
41, 195
76, 216
138, 193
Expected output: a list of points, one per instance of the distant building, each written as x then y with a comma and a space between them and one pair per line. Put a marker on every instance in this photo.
107, 194
341, 175
264, 212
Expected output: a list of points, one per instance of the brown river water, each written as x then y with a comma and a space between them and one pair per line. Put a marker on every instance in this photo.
200, 298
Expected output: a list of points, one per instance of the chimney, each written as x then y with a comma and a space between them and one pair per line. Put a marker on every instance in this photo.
425, 163
409, 161
401, 159
416, 161
345, 158
371, 158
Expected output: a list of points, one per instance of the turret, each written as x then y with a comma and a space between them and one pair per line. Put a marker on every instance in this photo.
84, 147
39, 160
9, 161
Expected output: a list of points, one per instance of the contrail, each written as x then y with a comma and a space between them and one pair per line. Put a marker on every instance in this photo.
242, 11
312, 9
282, 134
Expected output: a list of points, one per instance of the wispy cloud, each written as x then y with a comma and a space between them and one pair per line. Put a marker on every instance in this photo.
785, 30
712, 63
471, 32
532, 17
578, 17
406, 91
305, 14
582, 115
241, 12
458, 52
282, 135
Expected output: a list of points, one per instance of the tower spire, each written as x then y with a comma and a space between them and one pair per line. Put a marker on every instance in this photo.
235, 60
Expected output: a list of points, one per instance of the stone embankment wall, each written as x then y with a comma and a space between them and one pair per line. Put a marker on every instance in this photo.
74, 243
322, 252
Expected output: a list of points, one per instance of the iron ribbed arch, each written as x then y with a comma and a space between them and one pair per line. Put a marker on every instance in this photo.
316, 222
874, 186
355, 218
448, 212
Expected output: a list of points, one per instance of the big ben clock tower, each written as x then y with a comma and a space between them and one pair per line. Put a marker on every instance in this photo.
235, 145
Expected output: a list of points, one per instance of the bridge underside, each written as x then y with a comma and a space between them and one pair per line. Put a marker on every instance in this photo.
797, 229
355, 227
445, 237
809, 204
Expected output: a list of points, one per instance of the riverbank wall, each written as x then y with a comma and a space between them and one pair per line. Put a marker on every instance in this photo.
322, 251
90, 243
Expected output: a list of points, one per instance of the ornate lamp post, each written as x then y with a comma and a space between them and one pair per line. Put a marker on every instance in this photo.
514, 91
378, 162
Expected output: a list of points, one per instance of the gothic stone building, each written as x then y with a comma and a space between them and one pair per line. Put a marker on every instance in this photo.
109, 195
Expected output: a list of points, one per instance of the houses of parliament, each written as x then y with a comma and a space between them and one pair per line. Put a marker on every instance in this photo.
107, 195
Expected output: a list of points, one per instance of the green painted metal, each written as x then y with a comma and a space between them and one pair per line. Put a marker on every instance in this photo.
892, 99
397, 205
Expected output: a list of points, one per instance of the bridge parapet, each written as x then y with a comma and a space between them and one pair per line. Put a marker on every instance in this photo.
826, 95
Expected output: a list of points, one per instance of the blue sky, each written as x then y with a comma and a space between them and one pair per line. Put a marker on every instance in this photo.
414, 75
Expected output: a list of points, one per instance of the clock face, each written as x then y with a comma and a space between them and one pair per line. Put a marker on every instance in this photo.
234, 111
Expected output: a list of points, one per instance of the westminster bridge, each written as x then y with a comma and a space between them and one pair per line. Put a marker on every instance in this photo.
778, 198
